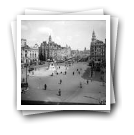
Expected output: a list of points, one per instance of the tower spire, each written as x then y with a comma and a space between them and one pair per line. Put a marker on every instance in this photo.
93, 36
50, 38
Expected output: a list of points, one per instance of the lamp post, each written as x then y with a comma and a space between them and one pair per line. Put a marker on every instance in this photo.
26, 69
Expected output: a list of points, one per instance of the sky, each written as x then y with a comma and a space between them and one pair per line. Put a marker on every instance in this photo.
76, 34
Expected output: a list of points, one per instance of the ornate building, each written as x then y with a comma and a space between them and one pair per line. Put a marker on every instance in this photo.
25, 51
97, 50
53, 51
29, 54
34, 54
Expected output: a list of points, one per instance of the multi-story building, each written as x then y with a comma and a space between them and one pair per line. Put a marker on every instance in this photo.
52, 50
97, 50
25, 51
29, 54
34, 53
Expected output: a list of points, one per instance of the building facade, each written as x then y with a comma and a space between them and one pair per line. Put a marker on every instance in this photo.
25, 51
97, 50
29, 54
34, 54
53, 51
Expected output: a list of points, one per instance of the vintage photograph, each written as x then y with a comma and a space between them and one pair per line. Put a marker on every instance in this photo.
65, 61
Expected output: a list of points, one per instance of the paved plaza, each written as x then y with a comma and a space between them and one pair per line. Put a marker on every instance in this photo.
74, 88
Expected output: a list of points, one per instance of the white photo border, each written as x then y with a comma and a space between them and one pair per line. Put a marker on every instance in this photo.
71, 18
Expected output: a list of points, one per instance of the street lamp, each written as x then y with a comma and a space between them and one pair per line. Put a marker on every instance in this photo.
26, 69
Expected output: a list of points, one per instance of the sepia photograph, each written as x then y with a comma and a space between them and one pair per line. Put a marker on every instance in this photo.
63, 62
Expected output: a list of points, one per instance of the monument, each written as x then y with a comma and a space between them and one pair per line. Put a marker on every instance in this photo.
51, 66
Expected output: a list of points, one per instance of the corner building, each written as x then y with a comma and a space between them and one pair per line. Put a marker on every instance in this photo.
97, 50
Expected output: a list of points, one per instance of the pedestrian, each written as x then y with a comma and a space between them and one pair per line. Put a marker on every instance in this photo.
65, 72
77, 69
59, 92
60, 81
61, 72
45, 87
73, 73
87, 81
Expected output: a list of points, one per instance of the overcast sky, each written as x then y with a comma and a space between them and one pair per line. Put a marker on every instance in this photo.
76, 34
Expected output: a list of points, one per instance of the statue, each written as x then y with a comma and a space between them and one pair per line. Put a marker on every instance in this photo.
51, 66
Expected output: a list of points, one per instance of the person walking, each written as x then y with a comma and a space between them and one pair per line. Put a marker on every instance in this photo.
59, 92
73, 73
65, 72
45, 87
87, 81
60, 81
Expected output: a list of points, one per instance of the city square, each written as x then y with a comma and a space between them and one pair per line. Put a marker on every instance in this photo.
91, 92
69, 74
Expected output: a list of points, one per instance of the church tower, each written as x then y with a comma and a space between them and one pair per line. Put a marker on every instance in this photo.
93, 36
50, 39
49, 47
